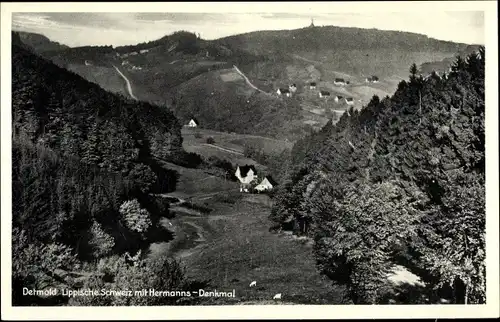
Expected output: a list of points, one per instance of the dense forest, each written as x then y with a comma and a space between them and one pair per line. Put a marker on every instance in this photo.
85, 163
399, 182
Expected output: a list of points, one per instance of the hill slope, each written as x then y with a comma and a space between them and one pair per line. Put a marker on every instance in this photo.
270, 59
401, 181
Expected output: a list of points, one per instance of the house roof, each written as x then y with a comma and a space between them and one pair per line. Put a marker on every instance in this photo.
339, 80
271, 180
313, 84
195, 120
245, 168
339, 97
349, 99
284, 90
325, 93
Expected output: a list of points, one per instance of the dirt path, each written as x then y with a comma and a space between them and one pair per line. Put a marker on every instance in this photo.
248, 81
307, 60
129, 86
223, 149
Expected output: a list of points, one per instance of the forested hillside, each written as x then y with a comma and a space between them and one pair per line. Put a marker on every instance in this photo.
399, 182
84, 162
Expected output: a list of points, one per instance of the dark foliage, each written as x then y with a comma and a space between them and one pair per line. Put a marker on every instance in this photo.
400, 181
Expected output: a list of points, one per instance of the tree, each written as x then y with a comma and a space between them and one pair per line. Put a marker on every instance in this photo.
101, 241
136, 219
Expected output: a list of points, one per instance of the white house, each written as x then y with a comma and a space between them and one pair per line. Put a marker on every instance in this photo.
339, 81
143, 51
349, 100
324, 94
266, 184
292, 88
372, 79
283, 91
338, 98
312, 85
193, 123
133, 53
246, 175
88, 63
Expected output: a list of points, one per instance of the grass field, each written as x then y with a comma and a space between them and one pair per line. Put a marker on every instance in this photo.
231, 246
232, 141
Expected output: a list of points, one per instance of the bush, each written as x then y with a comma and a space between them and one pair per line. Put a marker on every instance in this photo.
210, 140
198, 135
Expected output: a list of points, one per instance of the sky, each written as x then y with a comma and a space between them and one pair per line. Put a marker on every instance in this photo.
121, 28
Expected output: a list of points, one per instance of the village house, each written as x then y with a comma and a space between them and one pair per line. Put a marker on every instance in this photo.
193, 123
339, 81
292, 88
338, 98
133, 53
349, 100
372, 79
246, 174
88, 63
312, 85
143, 51
266, 184
283, 91
324, 94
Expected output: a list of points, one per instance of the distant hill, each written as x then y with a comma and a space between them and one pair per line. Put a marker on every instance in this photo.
270, 59
39, 43
444, 65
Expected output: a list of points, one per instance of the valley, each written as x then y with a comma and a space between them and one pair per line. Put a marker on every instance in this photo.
173, 131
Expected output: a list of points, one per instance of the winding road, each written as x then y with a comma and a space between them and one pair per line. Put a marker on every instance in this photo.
129, 86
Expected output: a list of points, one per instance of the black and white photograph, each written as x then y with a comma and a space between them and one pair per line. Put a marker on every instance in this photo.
323, 155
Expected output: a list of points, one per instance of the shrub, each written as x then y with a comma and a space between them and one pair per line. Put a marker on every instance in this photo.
210, 140
198, 135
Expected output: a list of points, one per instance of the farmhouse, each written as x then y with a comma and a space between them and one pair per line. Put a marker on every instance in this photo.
143, 51
339, 81
283, 91
133, 53
266, 184
193, 123
338, 98
349, 100
292, 88
324, 94
246, 175
312, 85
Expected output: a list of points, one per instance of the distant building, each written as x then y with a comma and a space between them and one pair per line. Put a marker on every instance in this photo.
349, 100
312, 85
266, 184
88, 63
338, 98
283, 91
246, 174
193, 123
372, 79
324, 94
133, 53
339, 81
143, 51
292, 88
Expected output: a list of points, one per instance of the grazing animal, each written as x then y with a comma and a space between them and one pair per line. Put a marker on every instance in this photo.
254, 283
277, 297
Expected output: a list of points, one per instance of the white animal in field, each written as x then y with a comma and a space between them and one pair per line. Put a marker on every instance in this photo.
254, 283
277, 297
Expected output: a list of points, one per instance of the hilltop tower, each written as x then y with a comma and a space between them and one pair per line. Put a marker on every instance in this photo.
312, 23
